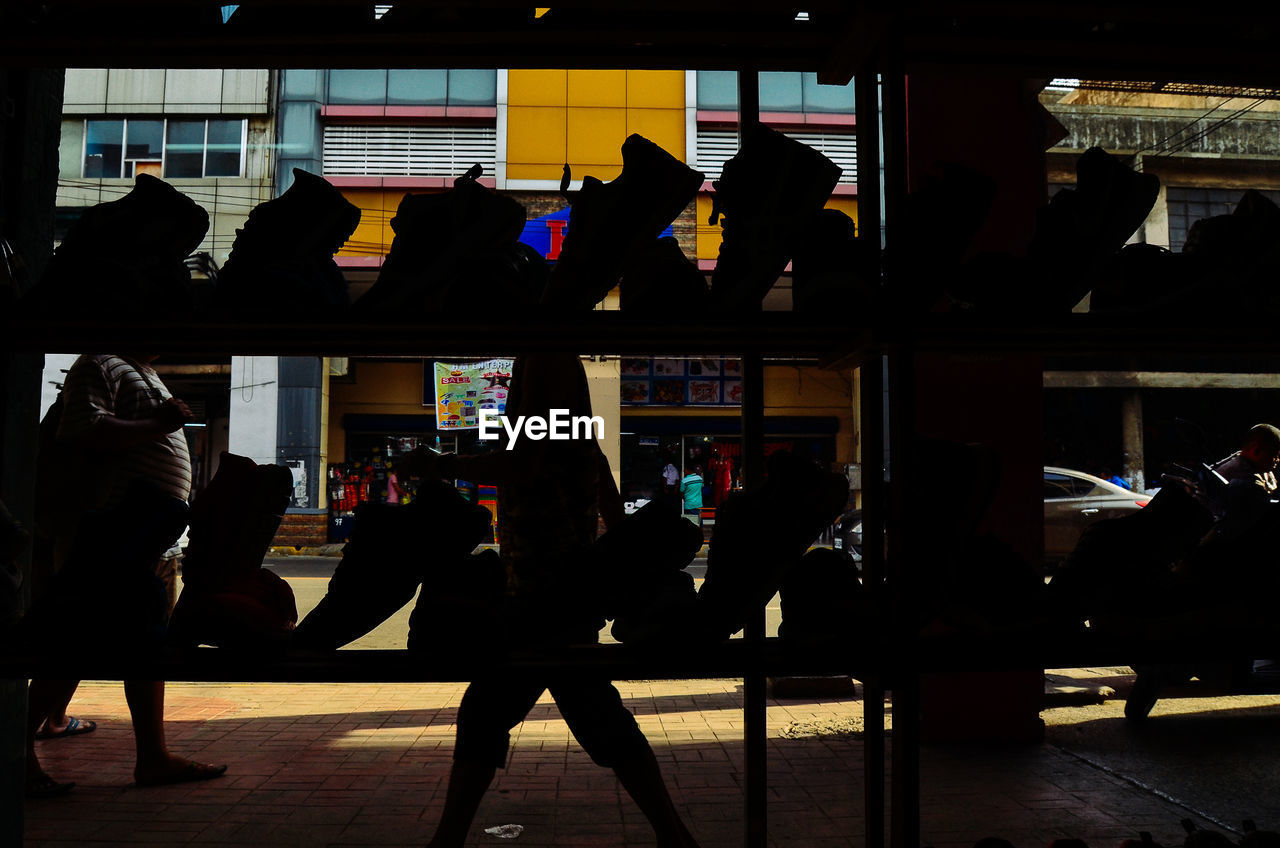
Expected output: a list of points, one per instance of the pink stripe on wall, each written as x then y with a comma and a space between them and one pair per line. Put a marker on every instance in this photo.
414, 112
352, 111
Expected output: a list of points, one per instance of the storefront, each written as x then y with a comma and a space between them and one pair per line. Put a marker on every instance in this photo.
686, 411
713, 446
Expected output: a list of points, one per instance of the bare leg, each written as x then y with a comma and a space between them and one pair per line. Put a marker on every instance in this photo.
56, 719
54, 716
642, 779
468, 781
43, 696
155, 765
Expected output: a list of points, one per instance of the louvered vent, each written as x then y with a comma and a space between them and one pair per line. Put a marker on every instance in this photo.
715, 147
369, 151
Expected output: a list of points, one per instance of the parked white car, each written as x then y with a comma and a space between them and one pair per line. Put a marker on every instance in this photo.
1072, 501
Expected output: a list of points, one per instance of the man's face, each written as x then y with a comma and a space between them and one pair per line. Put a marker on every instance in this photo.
1265, 457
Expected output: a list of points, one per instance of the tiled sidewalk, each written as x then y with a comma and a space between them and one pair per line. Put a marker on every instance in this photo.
347, 765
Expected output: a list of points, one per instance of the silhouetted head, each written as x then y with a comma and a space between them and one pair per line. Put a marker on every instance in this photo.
541, 382
1262, 446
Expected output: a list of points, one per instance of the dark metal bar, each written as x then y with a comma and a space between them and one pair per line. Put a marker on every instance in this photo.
894, 92
871, 435
902, 583
872, 438
906, 761
905, 801
754, 684
610, 332
866, 90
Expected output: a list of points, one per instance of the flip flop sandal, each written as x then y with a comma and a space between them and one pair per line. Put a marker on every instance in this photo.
188, 773
75, 727
44, 786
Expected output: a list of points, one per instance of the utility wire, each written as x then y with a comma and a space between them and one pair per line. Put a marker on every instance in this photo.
1211, 128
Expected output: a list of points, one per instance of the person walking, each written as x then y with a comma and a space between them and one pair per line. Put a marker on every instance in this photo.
119, 425
551, 495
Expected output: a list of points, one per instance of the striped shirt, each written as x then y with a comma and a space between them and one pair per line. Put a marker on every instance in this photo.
98, 386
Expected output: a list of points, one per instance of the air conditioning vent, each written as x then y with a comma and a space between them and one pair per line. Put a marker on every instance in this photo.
371, 151
715, 147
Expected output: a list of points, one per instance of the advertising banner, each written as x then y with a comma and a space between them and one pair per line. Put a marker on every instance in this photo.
464, 388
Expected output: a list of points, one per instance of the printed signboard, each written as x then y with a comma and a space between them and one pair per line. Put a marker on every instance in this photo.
462, 389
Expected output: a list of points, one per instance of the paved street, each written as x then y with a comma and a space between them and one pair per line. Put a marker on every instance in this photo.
335, 765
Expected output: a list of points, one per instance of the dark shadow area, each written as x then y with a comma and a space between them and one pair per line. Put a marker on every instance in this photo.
1212, 756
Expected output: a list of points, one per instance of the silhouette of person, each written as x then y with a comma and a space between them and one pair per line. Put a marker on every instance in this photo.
1230, 566
1251, 481
394, 490
550, 495
127, 427
670, 477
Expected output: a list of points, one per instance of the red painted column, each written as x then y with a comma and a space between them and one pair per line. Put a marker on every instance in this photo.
995, 126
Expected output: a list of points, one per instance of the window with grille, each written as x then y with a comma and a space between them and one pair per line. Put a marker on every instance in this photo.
174, 148
408, 151
1188, 205
715, 147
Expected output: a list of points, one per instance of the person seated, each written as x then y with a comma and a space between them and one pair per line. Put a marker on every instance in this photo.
1250, 482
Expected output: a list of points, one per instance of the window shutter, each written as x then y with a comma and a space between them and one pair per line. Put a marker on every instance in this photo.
359, 151
715, 147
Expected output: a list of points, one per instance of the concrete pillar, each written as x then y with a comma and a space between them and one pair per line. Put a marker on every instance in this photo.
1131, 424
993, 400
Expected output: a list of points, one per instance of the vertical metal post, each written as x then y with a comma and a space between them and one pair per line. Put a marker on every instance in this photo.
866, 89
754, 684
902, 585
871, 432
906, 759
905, 824
866, 85
755, 708
896, 157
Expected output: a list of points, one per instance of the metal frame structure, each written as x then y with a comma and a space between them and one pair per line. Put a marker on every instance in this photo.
837, 38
